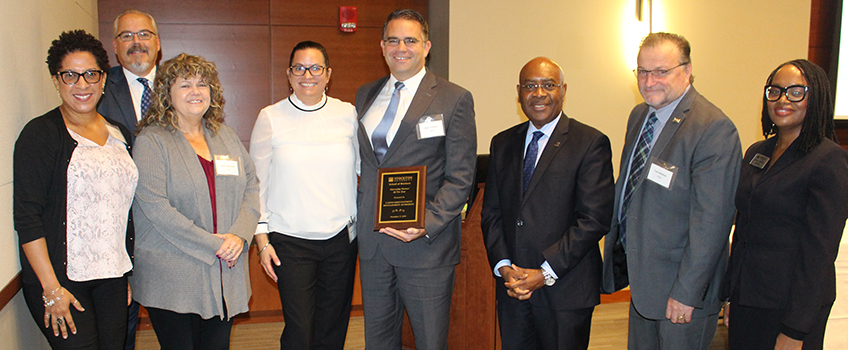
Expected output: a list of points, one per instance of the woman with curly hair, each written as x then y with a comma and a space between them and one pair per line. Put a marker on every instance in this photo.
74, 184
196, 210
792, 203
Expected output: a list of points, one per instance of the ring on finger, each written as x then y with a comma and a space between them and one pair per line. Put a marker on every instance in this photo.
60, 321
680, 317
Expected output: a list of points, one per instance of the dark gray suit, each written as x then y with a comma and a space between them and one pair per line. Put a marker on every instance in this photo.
116, 102
450, 162
677, 238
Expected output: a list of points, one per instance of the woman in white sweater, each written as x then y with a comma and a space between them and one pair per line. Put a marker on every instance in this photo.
306, 155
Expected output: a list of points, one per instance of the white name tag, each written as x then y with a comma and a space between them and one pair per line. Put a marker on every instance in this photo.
660, 175
226, 165
431, 126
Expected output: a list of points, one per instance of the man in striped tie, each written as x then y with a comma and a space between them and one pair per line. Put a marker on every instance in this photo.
126, 95
673, 203
128, 86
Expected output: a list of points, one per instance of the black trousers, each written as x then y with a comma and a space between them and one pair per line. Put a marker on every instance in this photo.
755, 328
176, 331
103, 324
315, 280
526, 327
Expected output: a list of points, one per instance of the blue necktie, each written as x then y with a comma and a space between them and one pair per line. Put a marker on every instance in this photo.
637, 164
145, 96
378, 137
530, 158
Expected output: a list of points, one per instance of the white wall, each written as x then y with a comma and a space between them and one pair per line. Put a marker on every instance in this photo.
735, 44
26, 31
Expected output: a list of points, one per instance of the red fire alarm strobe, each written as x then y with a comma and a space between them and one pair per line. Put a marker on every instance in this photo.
347, 19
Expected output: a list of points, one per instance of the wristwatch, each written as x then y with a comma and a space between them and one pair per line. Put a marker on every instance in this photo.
549, 280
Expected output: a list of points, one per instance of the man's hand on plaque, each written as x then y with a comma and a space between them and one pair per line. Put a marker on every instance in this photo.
407, 235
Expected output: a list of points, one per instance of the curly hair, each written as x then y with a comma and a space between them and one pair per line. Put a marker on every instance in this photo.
818, 122
184, 66
75, 41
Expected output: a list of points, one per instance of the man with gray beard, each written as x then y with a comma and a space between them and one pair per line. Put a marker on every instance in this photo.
129, 86
127, 94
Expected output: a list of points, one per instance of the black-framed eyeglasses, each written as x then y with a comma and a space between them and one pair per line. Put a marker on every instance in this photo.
794, 93
532, 87
314, 69
91, 76
397, 41
657, 73
143, 35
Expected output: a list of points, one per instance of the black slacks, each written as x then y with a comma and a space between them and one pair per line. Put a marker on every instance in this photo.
315, 280
103, 324
524, 326
176, 331
755, 328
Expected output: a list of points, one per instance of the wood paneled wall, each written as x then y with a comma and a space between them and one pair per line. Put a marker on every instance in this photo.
250, 42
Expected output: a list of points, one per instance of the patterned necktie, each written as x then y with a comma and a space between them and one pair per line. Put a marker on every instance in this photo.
378, 137
145, 97
530, 158
637, 164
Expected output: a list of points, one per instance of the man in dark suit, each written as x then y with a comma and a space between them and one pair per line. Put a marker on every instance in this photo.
547, 203
136, 43
412, 118
128, 86
674, 203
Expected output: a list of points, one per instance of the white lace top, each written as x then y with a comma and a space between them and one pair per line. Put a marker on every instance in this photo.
101, 186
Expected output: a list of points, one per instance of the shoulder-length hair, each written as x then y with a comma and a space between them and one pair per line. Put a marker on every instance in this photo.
818, 122
184, 66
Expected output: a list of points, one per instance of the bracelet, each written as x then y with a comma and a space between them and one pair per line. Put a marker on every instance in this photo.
263, 248
52, 301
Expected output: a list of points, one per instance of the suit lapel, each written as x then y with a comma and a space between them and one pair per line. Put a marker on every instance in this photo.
557, 139
791, 155
364, 140
514, 160
422, 99
121, 92
678, 117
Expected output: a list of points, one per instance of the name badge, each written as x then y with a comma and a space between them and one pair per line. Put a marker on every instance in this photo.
431, 126
759, 161
226, 165
662, 174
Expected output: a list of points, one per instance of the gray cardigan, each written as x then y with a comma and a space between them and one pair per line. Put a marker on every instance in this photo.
175, 264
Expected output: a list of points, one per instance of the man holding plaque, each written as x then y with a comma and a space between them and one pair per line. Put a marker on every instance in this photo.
548, 201
418, 133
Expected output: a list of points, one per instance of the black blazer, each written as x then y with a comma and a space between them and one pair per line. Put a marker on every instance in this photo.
788, 227
116, 102
564, 213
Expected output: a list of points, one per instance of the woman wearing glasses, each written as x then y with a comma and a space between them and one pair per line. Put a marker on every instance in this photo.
306, 155
74, 185
195, 210
792, 203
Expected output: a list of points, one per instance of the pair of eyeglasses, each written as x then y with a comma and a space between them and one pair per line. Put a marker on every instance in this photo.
143, 35
657, 73
532, 87
395, 41
91, 76
314, 69
794, 93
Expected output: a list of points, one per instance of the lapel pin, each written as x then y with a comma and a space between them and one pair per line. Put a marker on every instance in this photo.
557, 144
676, 120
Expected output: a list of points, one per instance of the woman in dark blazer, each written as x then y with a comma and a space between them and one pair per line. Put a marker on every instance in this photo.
196, 209
792, 203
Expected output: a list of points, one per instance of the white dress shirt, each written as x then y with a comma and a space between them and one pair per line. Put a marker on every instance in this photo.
375, 113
